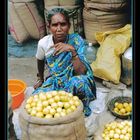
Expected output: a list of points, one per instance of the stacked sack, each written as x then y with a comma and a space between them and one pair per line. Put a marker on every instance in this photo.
74, 10
103, 15
25, 21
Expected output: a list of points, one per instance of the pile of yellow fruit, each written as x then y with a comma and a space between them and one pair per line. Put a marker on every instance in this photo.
123, 108
118, 131
51, 104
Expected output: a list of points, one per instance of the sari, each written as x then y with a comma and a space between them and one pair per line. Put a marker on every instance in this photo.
62, 75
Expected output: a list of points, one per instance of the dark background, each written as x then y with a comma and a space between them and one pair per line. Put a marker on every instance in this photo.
3, 70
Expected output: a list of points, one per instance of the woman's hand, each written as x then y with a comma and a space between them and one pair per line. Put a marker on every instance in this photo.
38, 84
62, 47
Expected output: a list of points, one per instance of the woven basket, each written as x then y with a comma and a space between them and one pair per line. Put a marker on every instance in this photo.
120, 99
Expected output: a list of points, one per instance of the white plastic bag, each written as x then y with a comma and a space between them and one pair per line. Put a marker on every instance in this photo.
98, 105
128, 53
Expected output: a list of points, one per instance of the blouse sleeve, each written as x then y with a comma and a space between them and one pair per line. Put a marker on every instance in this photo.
40, 54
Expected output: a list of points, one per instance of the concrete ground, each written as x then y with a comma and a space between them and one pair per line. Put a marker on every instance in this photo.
25, 69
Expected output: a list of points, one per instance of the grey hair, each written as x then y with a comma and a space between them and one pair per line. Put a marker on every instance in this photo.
54, 11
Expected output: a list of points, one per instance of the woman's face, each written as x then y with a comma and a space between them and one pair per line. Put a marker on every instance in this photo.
59, 27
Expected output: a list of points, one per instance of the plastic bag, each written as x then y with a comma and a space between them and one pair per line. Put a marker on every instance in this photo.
107, 65
128, 53
98, 105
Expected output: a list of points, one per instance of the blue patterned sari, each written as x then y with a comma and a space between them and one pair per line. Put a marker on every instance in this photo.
62, 74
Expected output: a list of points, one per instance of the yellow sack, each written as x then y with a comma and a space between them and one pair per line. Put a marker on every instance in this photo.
107, 65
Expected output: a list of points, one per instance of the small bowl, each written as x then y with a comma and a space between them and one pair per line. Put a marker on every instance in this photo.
120, 99
16, 89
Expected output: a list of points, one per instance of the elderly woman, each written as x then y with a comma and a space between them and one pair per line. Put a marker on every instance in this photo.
63, 53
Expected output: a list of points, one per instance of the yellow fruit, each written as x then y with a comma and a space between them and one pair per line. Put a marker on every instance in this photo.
103, 135
54, 105
35, 100
39, 114
33, 104
120, 106
52, 111
42, 97
108, 128
116, 136
57, 98
66, 105
122, 137
59, 110
49, 96
122, 111
116, 110
75, 98
62, 98
54, 93
29, 110
51, 100
62, 114
66, 99
45, 103
116, 104
77, 103
70, 95
39, 104
56, 115
130, 105
68, 111
36, 96
125, 104
118, 131
33, 113
39, 108
123, 131
60, 104
120, 126
49, 107
73, 107
29, 101
46, 111
48, 116
28, 106
128, 109
111, 135
71, 102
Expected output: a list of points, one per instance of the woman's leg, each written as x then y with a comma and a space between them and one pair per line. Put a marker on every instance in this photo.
83, 87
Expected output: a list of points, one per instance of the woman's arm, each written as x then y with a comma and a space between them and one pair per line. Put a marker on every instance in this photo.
40, 66
40, 74
79, 67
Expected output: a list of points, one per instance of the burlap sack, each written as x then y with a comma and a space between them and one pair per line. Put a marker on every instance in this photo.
107, 1
96, 21
48, 3
20, 1
70, 127
75, 16
67, 2
106, 6
16, 26
25, 21
33, 22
